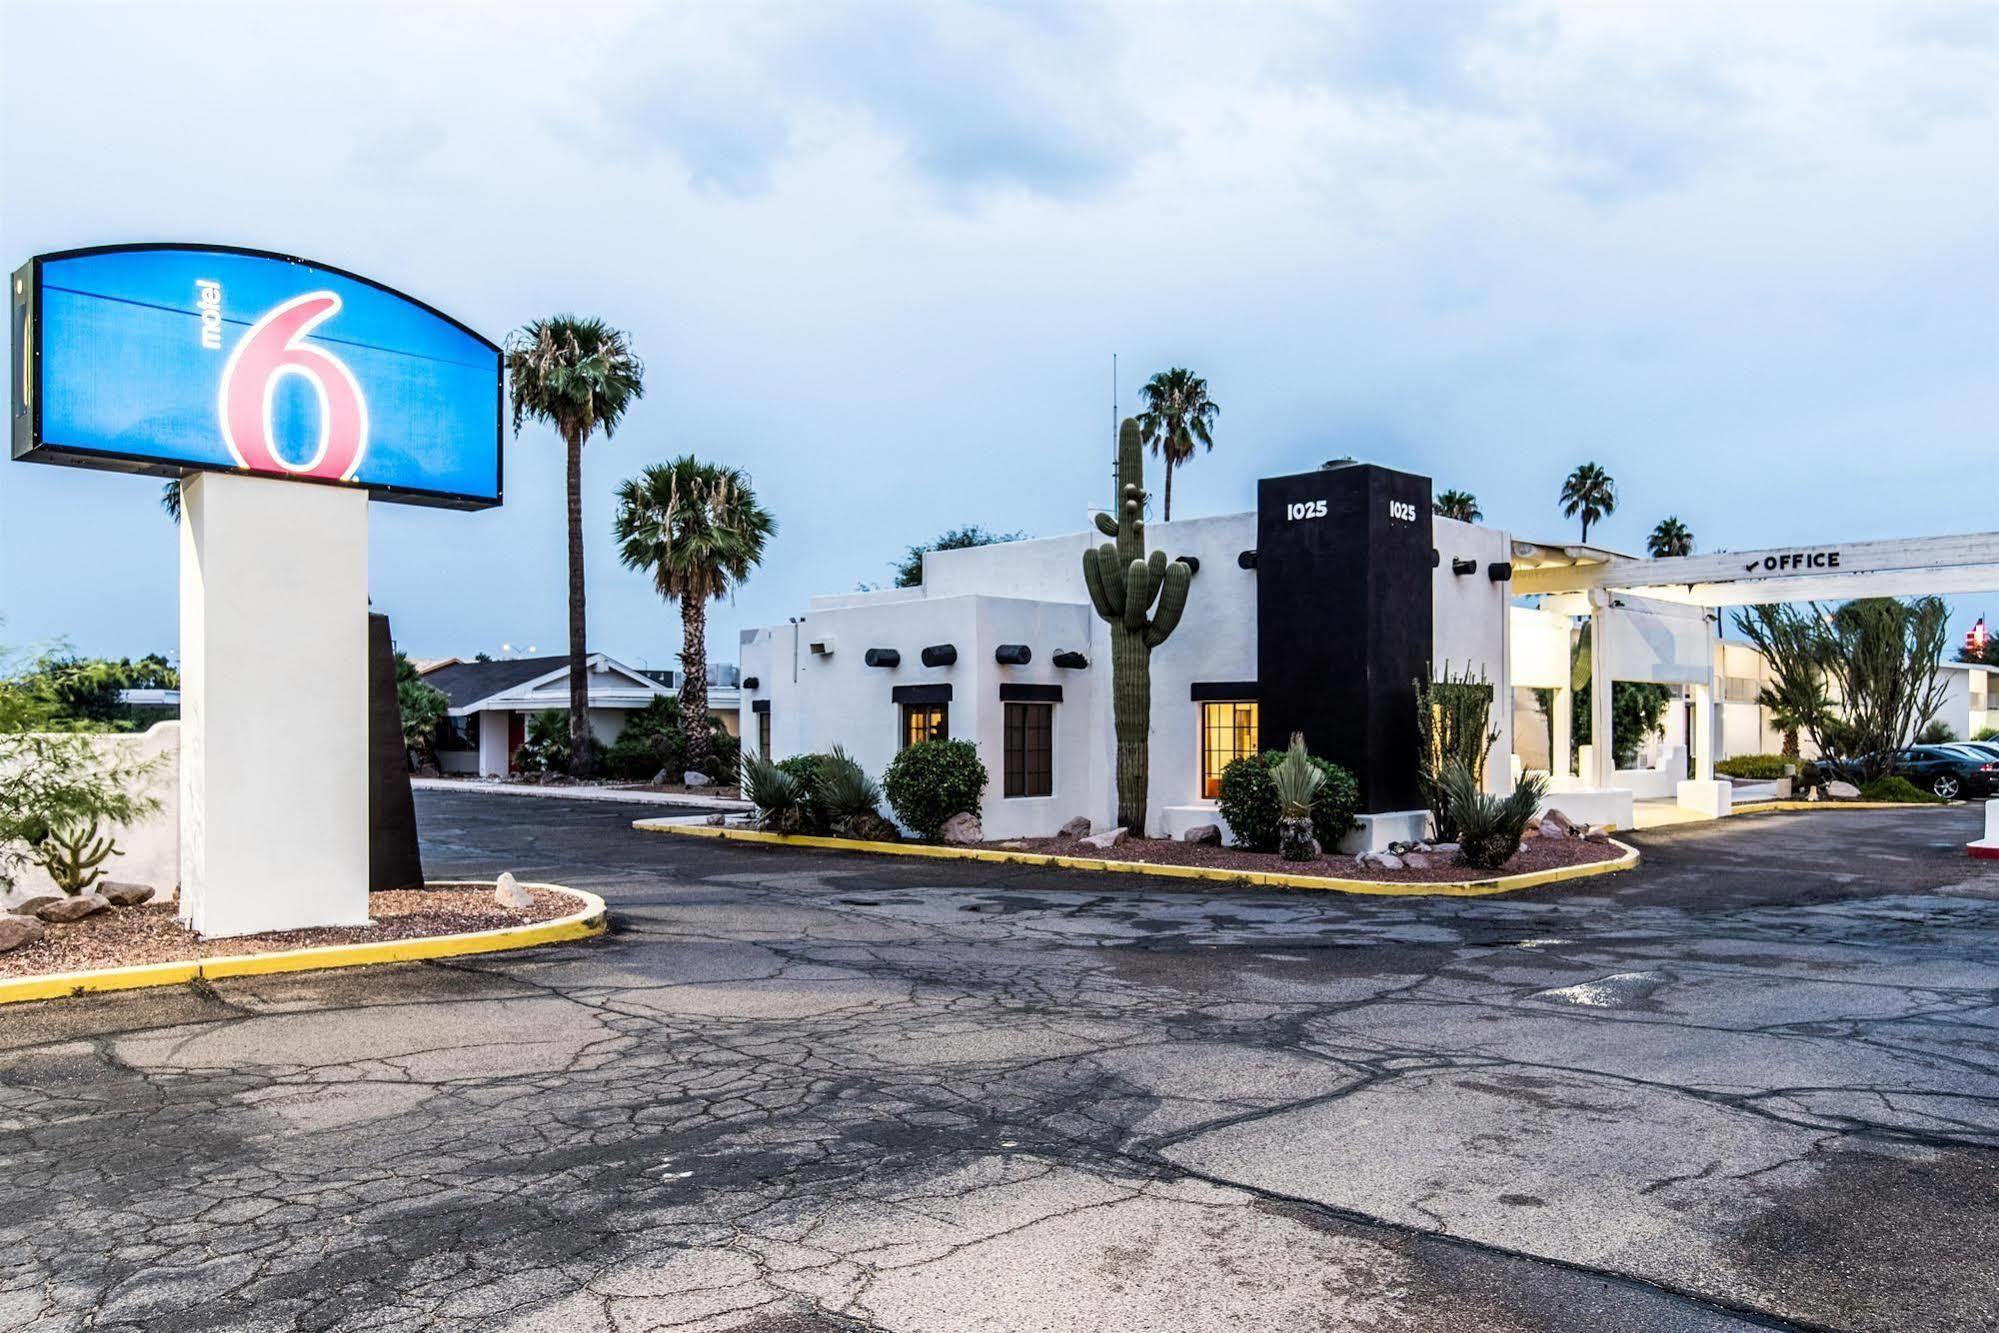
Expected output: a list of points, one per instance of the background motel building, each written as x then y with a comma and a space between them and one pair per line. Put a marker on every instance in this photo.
492, 701
1320, 623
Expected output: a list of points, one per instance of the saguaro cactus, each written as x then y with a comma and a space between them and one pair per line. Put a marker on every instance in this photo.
1123, 581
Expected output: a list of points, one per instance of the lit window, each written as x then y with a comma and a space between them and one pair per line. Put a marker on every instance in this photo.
1228, 733
925, 722
1029, 750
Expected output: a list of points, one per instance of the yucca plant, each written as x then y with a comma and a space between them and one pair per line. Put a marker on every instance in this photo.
778, 796
1297, 782
1489, 827
849, 798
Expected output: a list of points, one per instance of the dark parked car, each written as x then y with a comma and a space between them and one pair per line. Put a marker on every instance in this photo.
1949, 771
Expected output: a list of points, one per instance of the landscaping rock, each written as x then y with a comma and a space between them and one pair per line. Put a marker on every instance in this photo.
1103, 842
693, 779
1550, 829
1416, 860
1842, 791
960, 829
1204, 833
1596, 833
16, 931
33, 904
508, 893
716, 821
1380, 860
1079, 827
125, 895
1443, 848
65, 910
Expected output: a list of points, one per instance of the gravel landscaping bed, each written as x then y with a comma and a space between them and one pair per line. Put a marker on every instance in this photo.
1534, 854
123, 937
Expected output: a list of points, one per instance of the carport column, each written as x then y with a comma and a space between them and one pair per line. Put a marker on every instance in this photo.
274, 704
1562, 726
1602, 750
1703, 738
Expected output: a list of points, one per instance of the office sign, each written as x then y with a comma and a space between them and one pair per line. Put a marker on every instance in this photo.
166, 359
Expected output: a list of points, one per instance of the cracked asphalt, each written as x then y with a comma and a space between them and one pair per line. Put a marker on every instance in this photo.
1749, 1085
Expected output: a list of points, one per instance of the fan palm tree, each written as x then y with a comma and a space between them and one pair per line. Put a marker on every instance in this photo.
1670, 538
1178, 414
577, 375
1460, 505
170, 499
1589, 491
698, 530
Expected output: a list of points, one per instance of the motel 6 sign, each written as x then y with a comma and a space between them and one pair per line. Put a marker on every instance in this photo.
166, 359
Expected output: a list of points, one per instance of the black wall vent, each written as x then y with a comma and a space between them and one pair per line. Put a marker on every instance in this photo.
1071, 661
1013, 654
1463, 567
882, 657
749, 682
1246, 560
1500, 571
940, 654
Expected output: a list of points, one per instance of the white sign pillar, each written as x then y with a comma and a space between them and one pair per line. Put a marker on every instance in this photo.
274, 704
1603, 751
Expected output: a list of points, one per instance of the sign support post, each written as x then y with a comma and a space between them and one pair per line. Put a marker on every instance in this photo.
274, 698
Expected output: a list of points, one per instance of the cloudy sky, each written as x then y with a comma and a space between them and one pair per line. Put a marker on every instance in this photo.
1744, 255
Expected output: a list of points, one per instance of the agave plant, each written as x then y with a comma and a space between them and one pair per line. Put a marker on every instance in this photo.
1489, 827
850, 799
1297, 782
778, 796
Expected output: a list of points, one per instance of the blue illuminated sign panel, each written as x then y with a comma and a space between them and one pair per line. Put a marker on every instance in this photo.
171, 358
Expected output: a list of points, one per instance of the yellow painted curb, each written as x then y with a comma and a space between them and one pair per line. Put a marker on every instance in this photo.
587, 921
1473, 888
1771, 807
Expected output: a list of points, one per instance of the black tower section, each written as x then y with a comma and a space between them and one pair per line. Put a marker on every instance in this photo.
1343, 621
393, 859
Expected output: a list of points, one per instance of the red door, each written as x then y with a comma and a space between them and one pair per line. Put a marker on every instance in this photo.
517, 736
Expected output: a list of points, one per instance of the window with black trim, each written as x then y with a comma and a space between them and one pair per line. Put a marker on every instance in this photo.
763, 733
1228, 733
925, 722
1028, 750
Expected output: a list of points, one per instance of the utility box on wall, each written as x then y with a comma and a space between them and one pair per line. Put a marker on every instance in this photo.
1343, 621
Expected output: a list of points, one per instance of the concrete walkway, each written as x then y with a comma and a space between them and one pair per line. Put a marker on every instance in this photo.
562, 792
1752, 1084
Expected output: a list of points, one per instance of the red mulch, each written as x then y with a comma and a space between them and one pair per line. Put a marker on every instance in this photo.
124, 936
1534, 854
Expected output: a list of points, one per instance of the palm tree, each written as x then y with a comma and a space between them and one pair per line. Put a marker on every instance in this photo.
578, 375
1670, 538
170, 499
1589, 491
698, 530
1178, 414
1460, 505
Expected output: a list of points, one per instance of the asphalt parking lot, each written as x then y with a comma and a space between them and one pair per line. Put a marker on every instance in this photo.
1751, 1084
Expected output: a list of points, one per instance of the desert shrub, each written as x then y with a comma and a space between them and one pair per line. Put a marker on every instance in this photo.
1987, 734
630, 759
806, 768
933, 780
776, 792
546, 749
1489, 827
654, 741
1760, 767
1896, 788
1936, 732
849, 799
1248, 801
1453, 725
59, 784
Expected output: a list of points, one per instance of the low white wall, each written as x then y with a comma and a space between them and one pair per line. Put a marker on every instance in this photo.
150, 848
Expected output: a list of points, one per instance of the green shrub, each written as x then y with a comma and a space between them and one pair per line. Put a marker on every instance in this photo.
1937, 732
1761, 767
1249, 803
1987, 734
654, 742
1895, 787
806, 769
933, 780
1489, 827
631, 759
849, 799
777, 794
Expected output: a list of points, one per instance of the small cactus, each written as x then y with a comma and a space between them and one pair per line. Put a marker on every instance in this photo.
1124, 581
75, 857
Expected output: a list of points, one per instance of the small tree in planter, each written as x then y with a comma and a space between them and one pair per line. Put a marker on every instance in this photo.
1250, 805
1296, 782
933, 780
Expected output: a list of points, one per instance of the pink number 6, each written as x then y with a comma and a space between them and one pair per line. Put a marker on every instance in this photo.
274, 347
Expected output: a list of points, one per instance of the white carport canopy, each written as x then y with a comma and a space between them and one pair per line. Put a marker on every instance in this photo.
1941, 565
